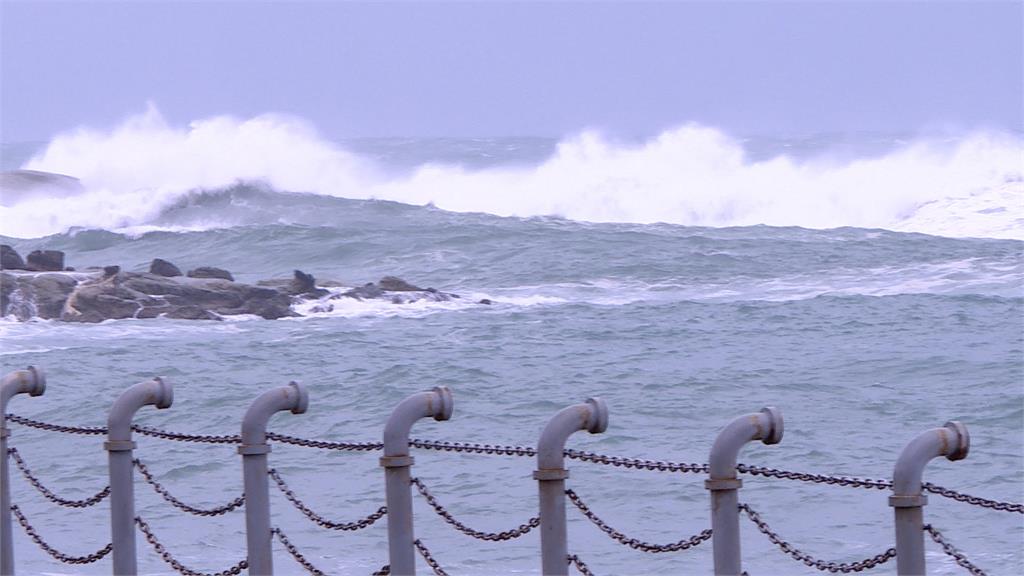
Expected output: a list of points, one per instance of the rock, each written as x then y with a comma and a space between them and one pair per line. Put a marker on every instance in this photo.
109, 271
191, 313
34, 295
99, 301
10, 259
369, 290
45, 261
162, 267
395, 284
486, 301
211, 272
305, 285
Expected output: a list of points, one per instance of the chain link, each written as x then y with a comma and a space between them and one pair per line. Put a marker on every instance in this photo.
438, 571
467, 447
325, 445
575, 561
973, 500
320, 520
296, 554
815, 478
620, 462
88, 430
181, 568
952, 552
162, 491
489, 536
472, 447
89, 559
684, 544
84, 503
181, 437
809, 560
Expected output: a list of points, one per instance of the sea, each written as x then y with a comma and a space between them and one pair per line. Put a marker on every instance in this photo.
869, 285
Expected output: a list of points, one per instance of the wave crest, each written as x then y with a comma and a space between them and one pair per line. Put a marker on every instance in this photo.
691, 175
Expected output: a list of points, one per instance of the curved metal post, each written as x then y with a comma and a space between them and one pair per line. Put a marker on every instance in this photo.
951, 441
119, 446
254, 450
30, 381
591, 416
436, 403
766, 426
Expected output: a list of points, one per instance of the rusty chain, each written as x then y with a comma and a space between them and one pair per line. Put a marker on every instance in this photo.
575, 561
88, 559
684, 544
320, 520
84, 503
590, 457
181, 568
809, 560
422, 548
489, 536
296, 554
952, 552
162, 491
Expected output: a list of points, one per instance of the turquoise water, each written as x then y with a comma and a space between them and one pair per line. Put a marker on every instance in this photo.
862, 336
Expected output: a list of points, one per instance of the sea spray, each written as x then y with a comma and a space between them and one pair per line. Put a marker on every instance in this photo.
691, 175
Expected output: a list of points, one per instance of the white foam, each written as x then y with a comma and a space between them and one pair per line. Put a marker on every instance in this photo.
691, 175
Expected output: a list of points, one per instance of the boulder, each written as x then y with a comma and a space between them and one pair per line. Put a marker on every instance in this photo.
162, 267
191, 313
34, 295
211, 272
366, 291
305, 285
45, 261
395, 284
10, 259
99, 301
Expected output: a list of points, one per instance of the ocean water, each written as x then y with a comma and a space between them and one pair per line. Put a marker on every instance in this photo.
869, 286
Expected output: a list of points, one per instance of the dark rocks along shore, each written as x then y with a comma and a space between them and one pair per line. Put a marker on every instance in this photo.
40, 286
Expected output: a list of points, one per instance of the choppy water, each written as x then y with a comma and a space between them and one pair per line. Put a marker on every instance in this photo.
862, 336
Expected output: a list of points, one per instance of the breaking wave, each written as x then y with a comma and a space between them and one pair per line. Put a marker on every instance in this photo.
691, 175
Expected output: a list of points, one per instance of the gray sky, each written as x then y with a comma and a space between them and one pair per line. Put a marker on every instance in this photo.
520, 68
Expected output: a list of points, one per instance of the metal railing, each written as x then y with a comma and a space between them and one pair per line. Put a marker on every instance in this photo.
556, 558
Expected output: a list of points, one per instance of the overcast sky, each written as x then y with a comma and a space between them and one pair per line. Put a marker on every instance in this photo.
516, 68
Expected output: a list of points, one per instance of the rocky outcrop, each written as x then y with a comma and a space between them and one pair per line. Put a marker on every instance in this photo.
10, 259
45, 261
162, 267
211, 272
207, 293
35, 294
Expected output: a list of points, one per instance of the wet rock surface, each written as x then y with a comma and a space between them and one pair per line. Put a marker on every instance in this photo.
206, 293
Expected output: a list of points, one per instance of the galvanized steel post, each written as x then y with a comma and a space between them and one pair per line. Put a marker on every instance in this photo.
119, 446
951, 441
254, 450
30, 381
591, 416
437, 403
766, 426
